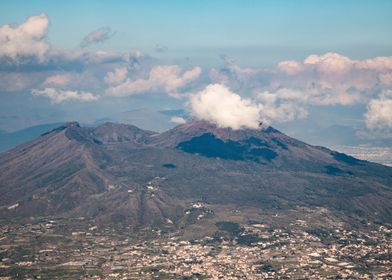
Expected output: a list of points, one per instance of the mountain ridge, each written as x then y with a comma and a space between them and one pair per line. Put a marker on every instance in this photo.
120, 173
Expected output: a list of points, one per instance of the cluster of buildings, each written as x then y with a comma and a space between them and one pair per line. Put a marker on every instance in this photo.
48, 249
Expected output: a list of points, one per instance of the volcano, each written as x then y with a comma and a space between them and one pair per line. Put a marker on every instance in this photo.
117, 173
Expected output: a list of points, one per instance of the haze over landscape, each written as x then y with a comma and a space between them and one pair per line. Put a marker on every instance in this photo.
195, 140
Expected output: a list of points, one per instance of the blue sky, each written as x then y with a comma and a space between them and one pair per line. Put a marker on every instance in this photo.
283, 29
299, 65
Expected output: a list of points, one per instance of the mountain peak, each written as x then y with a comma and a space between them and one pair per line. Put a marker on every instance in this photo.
203, 124
116, 133
72, 124
196, 128
65, 126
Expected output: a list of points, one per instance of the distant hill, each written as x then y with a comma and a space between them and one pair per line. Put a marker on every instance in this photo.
117, 173
11, 139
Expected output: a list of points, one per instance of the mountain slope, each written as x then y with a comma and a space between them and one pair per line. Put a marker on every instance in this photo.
51, 173
122, 174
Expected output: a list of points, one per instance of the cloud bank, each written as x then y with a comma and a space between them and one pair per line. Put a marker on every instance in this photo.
287, 91
336, 79
329, 79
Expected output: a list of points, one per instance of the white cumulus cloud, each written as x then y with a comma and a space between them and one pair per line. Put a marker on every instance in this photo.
167, 78
58, 79
25, 41
290, 67
283, 105
379, 113
178, 120
117, 76
59, 96
219, 105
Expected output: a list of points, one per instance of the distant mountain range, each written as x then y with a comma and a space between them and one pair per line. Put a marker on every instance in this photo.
9, 140
118, 173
